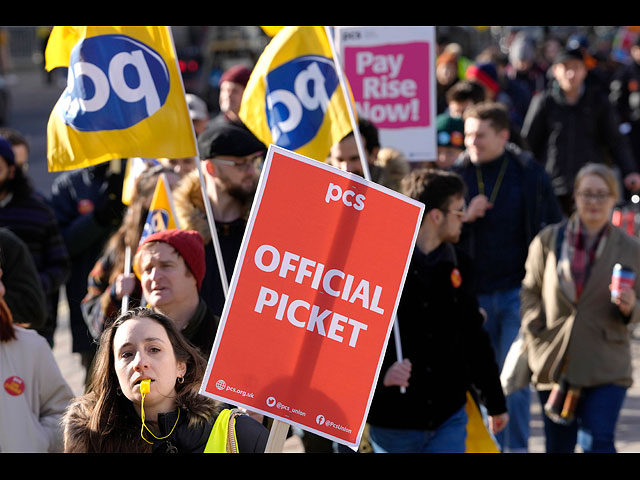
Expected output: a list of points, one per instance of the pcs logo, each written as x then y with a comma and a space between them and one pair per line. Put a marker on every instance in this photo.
297, 97
157, 221
114, 82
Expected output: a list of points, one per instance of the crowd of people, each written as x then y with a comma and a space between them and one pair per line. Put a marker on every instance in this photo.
513, 260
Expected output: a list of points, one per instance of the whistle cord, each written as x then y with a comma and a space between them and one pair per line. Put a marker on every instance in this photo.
144, 426
496, 188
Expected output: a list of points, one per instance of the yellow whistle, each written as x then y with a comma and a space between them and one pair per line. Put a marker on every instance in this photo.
145, 386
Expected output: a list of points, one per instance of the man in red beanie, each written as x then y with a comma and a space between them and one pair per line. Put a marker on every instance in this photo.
171, 267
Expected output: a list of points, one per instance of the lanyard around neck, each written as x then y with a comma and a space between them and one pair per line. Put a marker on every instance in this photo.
496, 187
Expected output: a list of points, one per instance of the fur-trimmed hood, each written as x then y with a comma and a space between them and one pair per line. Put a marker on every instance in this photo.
190, 210
201, 411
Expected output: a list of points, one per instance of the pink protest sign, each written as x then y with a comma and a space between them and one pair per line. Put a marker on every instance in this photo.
390, 83
390, 71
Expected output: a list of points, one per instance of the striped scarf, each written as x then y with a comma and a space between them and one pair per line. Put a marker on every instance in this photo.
578, 254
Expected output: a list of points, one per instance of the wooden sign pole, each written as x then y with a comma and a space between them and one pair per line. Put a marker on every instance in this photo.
277, 437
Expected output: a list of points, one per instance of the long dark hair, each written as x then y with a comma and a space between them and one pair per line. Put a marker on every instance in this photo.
112, 425
7, 332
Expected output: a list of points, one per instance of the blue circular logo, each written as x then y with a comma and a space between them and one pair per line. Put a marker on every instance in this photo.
297, 97
114, 82
443, 138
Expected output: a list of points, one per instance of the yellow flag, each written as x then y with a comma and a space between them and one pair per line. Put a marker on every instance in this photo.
161, 214
61, 42
293, 98
124, 97
135, 166
478, 438
271, 31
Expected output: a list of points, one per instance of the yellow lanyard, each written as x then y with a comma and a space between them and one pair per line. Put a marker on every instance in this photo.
494, 192
144, 389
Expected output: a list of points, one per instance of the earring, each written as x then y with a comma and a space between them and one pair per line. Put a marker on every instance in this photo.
180, 380
118, 391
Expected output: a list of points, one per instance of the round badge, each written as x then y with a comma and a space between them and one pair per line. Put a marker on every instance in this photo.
85, 206
14, 386
456, 278
457, 139
444, 138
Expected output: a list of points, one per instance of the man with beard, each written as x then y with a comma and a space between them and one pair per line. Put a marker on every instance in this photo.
231, 156
25, 213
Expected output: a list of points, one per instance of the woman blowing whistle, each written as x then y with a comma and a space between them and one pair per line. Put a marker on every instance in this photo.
144, 397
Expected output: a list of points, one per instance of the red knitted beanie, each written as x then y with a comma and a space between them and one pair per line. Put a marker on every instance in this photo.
236, 74
486, 74
190, 246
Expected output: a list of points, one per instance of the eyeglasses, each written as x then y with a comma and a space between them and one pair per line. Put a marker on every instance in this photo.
255, 162
598, 197
459, 213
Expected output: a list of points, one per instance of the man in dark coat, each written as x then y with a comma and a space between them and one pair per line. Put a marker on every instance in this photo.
25, 213
231, 156
625, 97
447, 351
573, 123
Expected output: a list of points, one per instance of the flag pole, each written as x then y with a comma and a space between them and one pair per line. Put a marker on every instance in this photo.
363, 158
127, 271
347, 99
279, 430
169, 195
205, 198
212, 228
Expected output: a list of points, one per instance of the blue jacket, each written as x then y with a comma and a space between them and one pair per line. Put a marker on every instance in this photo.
539, 208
